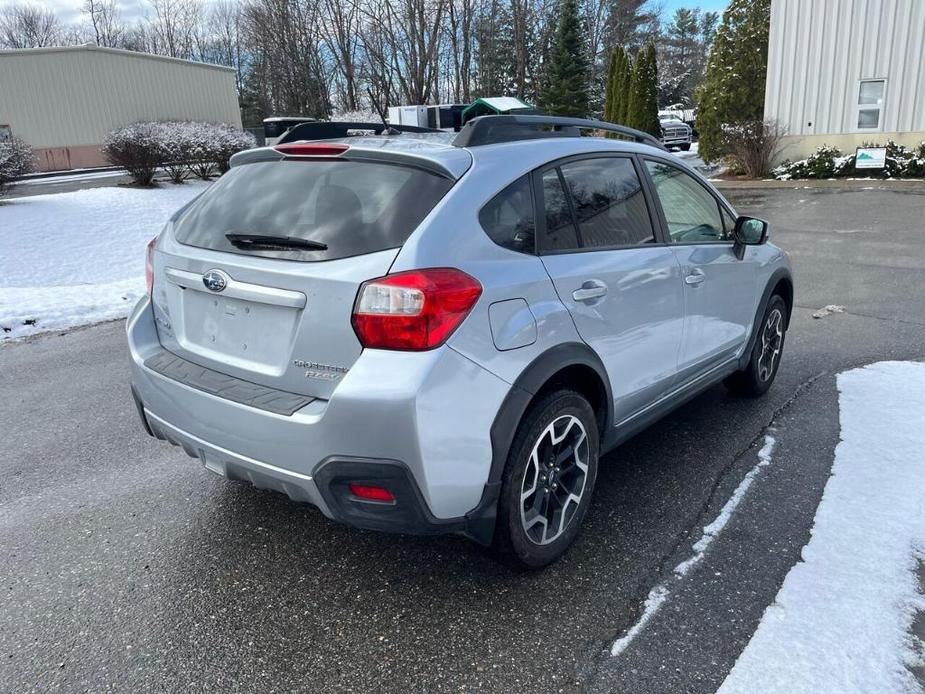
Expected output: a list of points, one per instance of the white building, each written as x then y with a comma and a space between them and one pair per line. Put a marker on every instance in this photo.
63, 101
846, 72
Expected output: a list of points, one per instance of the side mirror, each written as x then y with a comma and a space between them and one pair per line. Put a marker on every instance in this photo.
749, 231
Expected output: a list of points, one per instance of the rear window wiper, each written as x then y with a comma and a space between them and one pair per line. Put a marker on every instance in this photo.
259, 242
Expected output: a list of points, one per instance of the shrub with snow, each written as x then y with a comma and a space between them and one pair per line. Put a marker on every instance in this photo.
752, 146
16, 160
137, 148
830, 162
180, 147
229, 142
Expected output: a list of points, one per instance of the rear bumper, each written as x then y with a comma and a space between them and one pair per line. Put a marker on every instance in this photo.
420, 423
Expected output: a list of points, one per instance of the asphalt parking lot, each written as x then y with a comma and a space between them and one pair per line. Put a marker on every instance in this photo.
125, 566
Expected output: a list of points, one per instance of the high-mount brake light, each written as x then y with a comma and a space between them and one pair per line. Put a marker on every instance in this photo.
415, 310
149, 265
311, 149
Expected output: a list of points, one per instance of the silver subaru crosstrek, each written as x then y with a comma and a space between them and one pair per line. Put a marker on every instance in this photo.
428, 336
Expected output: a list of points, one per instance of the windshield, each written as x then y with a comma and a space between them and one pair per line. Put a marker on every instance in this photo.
350, 207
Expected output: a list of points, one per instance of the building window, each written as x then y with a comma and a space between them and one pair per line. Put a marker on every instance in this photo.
870, 104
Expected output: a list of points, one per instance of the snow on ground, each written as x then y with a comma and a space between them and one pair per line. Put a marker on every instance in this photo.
659, 595
841, 621
70, 259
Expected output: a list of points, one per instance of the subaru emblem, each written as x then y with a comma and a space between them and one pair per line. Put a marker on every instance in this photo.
215, 280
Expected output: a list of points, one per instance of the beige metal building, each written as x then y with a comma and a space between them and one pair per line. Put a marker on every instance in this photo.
63, 101
846, 72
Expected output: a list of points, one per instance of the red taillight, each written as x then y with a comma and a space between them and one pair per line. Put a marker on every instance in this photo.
362, 491
311, 149
414, 310
149, 265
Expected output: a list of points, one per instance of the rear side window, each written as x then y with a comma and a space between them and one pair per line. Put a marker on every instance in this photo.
352, 207
508, 217
560, 229
609, 203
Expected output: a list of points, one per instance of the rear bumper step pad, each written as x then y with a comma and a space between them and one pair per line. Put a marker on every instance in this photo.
224, 386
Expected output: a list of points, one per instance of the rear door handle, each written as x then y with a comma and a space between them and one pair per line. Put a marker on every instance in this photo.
590, 290
695, 277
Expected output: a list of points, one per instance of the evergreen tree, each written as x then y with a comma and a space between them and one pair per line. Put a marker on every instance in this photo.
733, 88
609, 87
624, 87
566, 90
617, 85
643, 99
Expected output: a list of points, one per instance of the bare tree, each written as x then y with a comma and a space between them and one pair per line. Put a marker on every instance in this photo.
29, 26
105, 22
340, 24
171, 27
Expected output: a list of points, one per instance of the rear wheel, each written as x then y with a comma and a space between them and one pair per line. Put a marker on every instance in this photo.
757, 377
548, 480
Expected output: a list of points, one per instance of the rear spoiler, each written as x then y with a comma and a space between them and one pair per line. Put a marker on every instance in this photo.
331, 130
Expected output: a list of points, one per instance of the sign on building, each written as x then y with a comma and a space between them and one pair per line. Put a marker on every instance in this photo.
870, 158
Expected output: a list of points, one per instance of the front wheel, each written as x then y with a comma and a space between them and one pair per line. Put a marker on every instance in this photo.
548, 480
757, 377
686, 147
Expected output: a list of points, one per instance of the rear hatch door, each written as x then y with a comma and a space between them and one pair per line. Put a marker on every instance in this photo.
257, 277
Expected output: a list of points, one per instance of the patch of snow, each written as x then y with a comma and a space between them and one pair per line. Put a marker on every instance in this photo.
841, 621
655, 600
659, 595
719, 523
828, 310
69, 259
69, 178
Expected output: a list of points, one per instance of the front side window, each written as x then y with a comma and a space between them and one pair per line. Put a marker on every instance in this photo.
560, 229
609, 203
870, 103
691, 212
508, 217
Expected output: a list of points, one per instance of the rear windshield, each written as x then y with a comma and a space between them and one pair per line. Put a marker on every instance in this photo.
352, 207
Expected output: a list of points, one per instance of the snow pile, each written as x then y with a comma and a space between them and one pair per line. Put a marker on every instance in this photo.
70, 259
841, 620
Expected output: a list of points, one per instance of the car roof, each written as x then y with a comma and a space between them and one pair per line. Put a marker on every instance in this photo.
433, 151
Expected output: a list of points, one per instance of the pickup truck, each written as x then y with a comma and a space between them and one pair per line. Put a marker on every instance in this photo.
675, 132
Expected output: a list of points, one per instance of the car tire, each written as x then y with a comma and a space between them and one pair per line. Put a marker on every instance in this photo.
686, 147
755, 379
548, 480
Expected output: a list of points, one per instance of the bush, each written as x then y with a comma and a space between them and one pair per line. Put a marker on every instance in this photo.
177, 142
752, 146
180, 147
137, 148
16, 160
915, 166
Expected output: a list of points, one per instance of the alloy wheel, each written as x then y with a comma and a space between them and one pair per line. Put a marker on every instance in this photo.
554, 480
772, 338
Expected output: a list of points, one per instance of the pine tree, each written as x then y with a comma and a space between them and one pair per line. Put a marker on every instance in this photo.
647, 103
733, 88
624, 86
642, 111
609, 89
617, 86
566, 90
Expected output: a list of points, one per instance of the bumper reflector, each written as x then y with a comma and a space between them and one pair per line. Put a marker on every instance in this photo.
368, 493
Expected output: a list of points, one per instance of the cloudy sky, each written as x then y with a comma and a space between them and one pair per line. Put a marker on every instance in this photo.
69, 10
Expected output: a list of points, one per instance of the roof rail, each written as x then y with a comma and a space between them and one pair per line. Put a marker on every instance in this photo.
488, 130
330, 130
